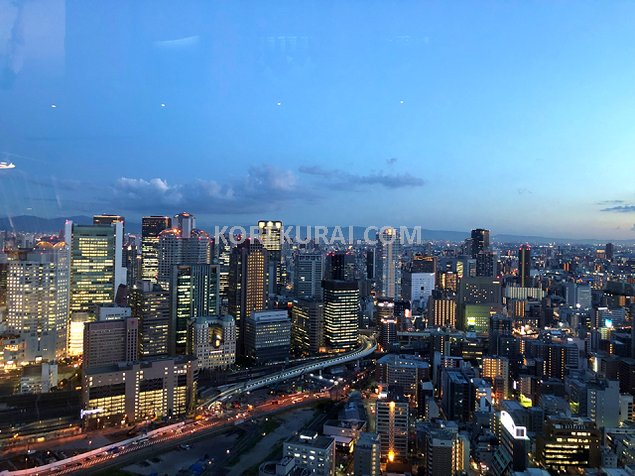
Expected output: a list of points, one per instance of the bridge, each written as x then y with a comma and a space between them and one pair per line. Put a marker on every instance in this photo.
366, 347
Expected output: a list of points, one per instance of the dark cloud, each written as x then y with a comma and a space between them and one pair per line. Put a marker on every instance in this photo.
620, 209
605, 203
339, 179
391, 161
264, 188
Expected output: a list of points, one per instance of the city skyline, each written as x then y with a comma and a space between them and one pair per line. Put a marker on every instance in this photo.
419, 111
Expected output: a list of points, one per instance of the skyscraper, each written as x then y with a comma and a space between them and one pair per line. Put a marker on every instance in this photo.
110, 342
193, 293
38, 293
388, 260
524, 265
267, 336
418, 280
96, 270
247, 283
480, 241
270, 235
212, 340
183, 245
609, 251
392, 413
151, 305
341, 314
340, 265
307, 326
151, 228
307, 277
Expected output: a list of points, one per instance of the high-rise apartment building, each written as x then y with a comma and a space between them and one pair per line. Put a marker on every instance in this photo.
388, 261
496, 369
151, 228
391, 411
367, 457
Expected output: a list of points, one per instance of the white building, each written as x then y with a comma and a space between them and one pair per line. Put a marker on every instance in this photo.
212, 341
313, 452
38, 293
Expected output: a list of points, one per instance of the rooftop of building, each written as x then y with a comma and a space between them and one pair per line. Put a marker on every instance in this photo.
146, 363
311, 439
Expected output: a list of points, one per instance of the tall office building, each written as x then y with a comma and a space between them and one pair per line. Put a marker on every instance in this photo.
106, 219
247, 283
511, 455
136, 392
38, 293
307, 327
268, 336
479, 241
194, 292
391, 411
212, 340
312, 452
486, 263
183, 245
524, 265
418, 280
96, 270
110, 343
151, 228
340, 265
367, 457
223, 256
404, 371
270, 235
388, 261
307, 277
151, 305
609, 251
341, 314
476, 299
567, 445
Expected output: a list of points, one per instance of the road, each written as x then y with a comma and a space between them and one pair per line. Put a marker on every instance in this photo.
367, 347
119, 453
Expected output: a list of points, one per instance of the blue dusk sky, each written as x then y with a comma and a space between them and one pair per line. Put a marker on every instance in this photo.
518, 116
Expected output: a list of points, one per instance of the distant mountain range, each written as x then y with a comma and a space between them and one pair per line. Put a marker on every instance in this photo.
30, 223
